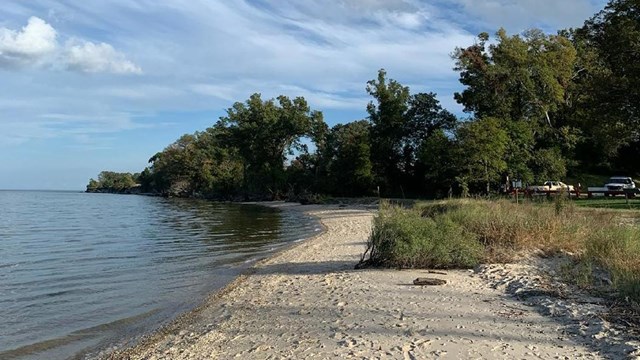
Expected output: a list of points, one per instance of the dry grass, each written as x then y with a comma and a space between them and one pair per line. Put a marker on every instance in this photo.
464, 233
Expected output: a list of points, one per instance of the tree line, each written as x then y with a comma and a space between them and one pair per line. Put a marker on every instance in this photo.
540, 107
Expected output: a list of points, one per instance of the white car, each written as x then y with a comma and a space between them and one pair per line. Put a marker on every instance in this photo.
619, 184
552, 186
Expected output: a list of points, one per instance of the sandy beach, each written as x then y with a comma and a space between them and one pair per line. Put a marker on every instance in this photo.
308, 302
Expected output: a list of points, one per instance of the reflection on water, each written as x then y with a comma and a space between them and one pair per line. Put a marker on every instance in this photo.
77, 270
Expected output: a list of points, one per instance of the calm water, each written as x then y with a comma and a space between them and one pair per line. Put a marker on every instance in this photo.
78, 271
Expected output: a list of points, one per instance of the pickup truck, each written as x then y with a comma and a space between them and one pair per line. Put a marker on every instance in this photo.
619, 185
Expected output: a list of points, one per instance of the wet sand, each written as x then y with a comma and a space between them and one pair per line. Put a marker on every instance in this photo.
309, 302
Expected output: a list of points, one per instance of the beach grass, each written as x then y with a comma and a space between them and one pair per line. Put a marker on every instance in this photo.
465, 233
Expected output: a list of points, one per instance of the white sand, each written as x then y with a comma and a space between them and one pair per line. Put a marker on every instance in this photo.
309, 302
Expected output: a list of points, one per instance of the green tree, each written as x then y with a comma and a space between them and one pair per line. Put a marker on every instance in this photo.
483, 144
199, 164
387, 116
526, 82
400, 122
425, 118
549, 164
607, 97
349, 149
264, 132
115, 181
439, 157
517, 78
93, 185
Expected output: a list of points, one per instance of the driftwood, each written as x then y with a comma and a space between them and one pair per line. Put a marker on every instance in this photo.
436, 272
429, 281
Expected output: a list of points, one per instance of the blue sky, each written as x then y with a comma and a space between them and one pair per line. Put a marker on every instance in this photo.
103, 85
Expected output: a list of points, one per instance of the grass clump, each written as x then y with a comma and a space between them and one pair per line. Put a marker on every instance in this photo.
404, 238
617, 249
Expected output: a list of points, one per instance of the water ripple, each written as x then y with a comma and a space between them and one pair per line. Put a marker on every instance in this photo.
74, 261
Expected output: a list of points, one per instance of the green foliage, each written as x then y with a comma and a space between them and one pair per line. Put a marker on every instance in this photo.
93, 185
403, 238
548, 164
483, 145
400, 123
200, 164
109, 181
388, 120
525, 81
607, 106
349, 153
264, 132
439, 158
518, 77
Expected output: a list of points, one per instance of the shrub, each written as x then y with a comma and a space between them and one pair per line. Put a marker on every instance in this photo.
403, 238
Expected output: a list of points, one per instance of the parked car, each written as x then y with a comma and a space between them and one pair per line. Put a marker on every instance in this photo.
552, 186
618, 184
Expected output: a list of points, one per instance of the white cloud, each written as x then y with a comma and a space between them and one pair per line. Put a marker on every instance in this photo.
218, 91
201, 56
88, 57
36, 45
407, 20
30, 45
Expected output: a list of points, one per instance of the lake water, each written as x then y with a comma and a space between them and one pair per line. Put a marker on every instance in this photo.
79, 271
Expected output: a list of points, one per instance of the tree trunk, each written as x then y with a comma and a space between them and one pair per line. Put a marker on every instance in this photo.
486, 174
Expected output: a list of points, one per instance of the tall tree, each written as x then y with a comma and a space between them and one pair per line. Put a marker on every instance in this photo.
483, 144
196, 164
387, 116
609, 96
439, 158
524, 82
425, 122
264, 132
400, 122
350, 153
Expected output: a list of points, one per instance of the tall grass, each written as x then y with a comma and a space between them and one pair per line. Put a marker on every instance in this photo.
465, 233
617, 250
403, 238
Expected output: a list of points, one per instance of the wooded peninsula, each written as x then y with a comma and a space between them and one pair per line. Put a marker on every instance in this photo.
540, 107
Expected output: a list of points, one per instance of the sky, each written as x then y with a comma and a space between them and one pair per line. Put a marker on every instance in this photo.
105, 84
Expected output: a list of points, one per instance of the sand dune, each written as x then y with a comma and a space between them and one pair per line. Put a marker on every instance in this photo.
309, 302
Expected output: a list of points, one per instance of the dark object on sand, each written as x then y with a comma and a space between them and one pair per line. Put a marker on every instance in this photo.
436, 272
429, 281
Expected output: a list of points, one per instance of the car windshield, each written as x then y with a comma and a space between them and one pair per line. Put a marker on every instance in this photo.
620, 180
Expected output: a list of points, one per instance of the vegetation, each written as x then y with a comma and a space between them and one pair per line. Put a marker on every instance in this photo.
465, 233
109, 181
541, 106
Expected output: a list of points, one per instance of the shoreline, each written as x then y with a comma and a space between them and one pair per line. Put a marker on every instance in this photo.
307, 301
211, 301
119, 349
